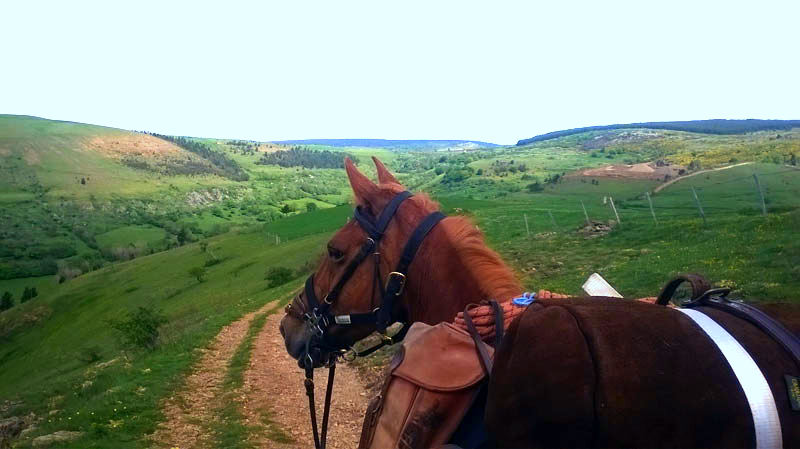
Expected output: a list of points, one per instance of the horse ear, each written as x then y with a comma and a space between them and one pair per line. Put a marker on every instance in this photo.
364, 189
384, 177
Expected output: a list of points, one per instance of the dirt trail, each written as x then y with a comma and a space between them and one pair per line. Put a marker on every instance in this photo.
273, 384
188, 409
673, 181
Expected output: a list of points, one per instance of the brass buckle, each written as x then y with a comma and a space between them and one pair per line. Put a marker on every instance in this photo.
397, 274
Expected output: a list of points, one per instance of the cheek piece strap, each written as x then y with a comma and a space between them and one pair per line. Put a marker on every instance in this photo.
318, 316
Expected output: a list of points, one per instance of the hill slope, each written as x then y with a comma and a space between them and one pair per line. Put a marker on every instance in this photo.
405, 145
715, 126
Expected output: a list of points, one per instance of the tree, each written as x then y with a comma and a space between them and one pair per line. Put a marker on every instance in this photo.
6, 302
311, 207
203, 246
479, 172
184, 236
26, 295
285, 209
198, 273
793, 159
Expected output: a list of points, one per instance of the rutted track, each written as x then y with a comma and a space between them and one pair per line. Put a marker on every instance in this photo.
273, 384
272, 399
189, 410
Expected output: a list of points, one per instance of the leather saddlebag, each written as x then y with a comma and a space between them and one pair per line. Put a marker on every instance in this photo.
433, 381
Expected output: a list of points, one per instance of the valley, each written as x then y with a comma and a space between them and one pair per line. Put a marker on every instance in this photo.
114, 228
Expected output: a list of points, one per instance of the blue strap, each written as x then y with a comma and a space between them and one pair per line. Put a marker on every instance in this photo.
525, 300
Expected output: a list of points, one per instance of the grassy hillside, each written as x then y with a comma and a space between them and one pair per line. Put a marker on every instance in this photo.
401, 145
717, 126
63, 361
737, 247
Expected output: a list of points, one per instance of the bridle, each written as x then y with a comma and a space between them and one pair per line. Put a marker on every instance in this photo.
319, 346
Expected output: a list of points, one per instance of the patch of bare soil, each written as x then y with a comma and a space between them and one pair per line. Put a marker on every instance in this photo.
647, 170
119, 145
190, 409
275, 397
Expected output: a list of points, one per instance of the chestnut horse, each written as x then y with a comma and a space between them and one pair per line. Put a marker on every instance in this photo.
538, 394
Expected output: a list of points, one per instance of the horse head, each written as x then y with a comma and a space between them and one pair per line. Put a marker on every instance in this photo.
370, 277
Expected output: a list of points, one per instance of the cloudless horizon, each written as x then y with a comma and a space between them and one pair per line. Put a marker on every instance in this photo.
488, 71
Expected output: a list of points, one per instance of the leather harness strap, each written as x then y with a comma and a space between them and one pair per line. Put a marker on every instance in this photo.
317, 313
717, 298
480, 346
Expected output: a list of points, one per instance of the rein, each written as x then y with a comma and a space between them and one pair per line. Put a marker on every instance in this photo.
319, 319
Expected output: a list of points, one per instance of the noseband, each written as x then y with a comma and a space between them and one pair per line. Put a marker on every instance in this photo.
318, 317
317, 314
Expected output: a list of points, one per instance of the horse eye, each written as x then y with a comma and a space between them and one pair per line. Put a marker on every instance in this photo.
335, 254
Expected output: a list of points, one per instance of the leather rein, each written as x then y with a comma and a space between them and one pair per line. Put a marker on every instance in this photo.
318, 318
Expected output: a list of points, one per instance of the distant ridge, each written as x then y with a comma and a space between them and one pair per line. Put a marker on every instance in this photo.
388, 143
714, 126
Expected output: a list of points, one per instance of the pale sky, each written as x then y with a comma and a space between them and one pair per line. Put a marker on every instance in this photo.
496, 71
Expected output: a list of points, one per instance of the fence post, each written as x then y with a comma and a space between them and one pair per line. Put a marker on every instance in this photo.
527, 230
588, 223
615, 209
699, 206
761, 195
553, 220
653, 212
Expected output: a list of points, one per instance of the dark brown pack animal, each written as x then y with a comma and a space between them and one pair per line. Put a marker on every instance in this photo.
607, 372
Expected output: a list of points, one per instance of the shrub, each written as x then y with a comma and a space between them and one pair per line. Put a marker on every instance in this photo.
213, 260
278, 276
198, 273
6, 302
90, 355
66, 273
139, 328
285, 209
535, 187
28, 294
311, 207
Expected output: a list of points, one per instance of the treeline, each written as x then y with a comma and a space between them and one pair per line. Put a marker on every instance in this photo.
227, 167
716, 126
303, 157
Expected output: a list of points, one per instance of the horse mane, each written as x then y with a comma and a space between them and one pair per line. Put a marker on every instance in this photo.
494, 278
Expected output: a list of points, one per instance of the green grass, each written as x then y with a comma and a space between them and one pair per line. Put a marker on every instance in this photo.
43, 359
757, 256
140, 236
45, 285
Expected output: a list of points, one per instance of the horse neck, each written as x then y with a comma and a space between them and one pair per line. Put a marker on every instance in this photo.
453, 270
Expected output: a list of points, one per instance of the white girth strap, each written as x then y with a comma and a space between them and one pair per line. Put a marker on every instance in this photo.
759, 396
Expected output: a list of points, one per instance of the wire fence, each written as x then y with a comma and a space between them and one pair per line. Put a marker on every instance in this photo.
696, 197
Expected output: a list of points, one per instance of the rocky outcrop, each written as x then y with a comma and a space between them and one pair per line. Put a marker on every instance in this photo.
57, 437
